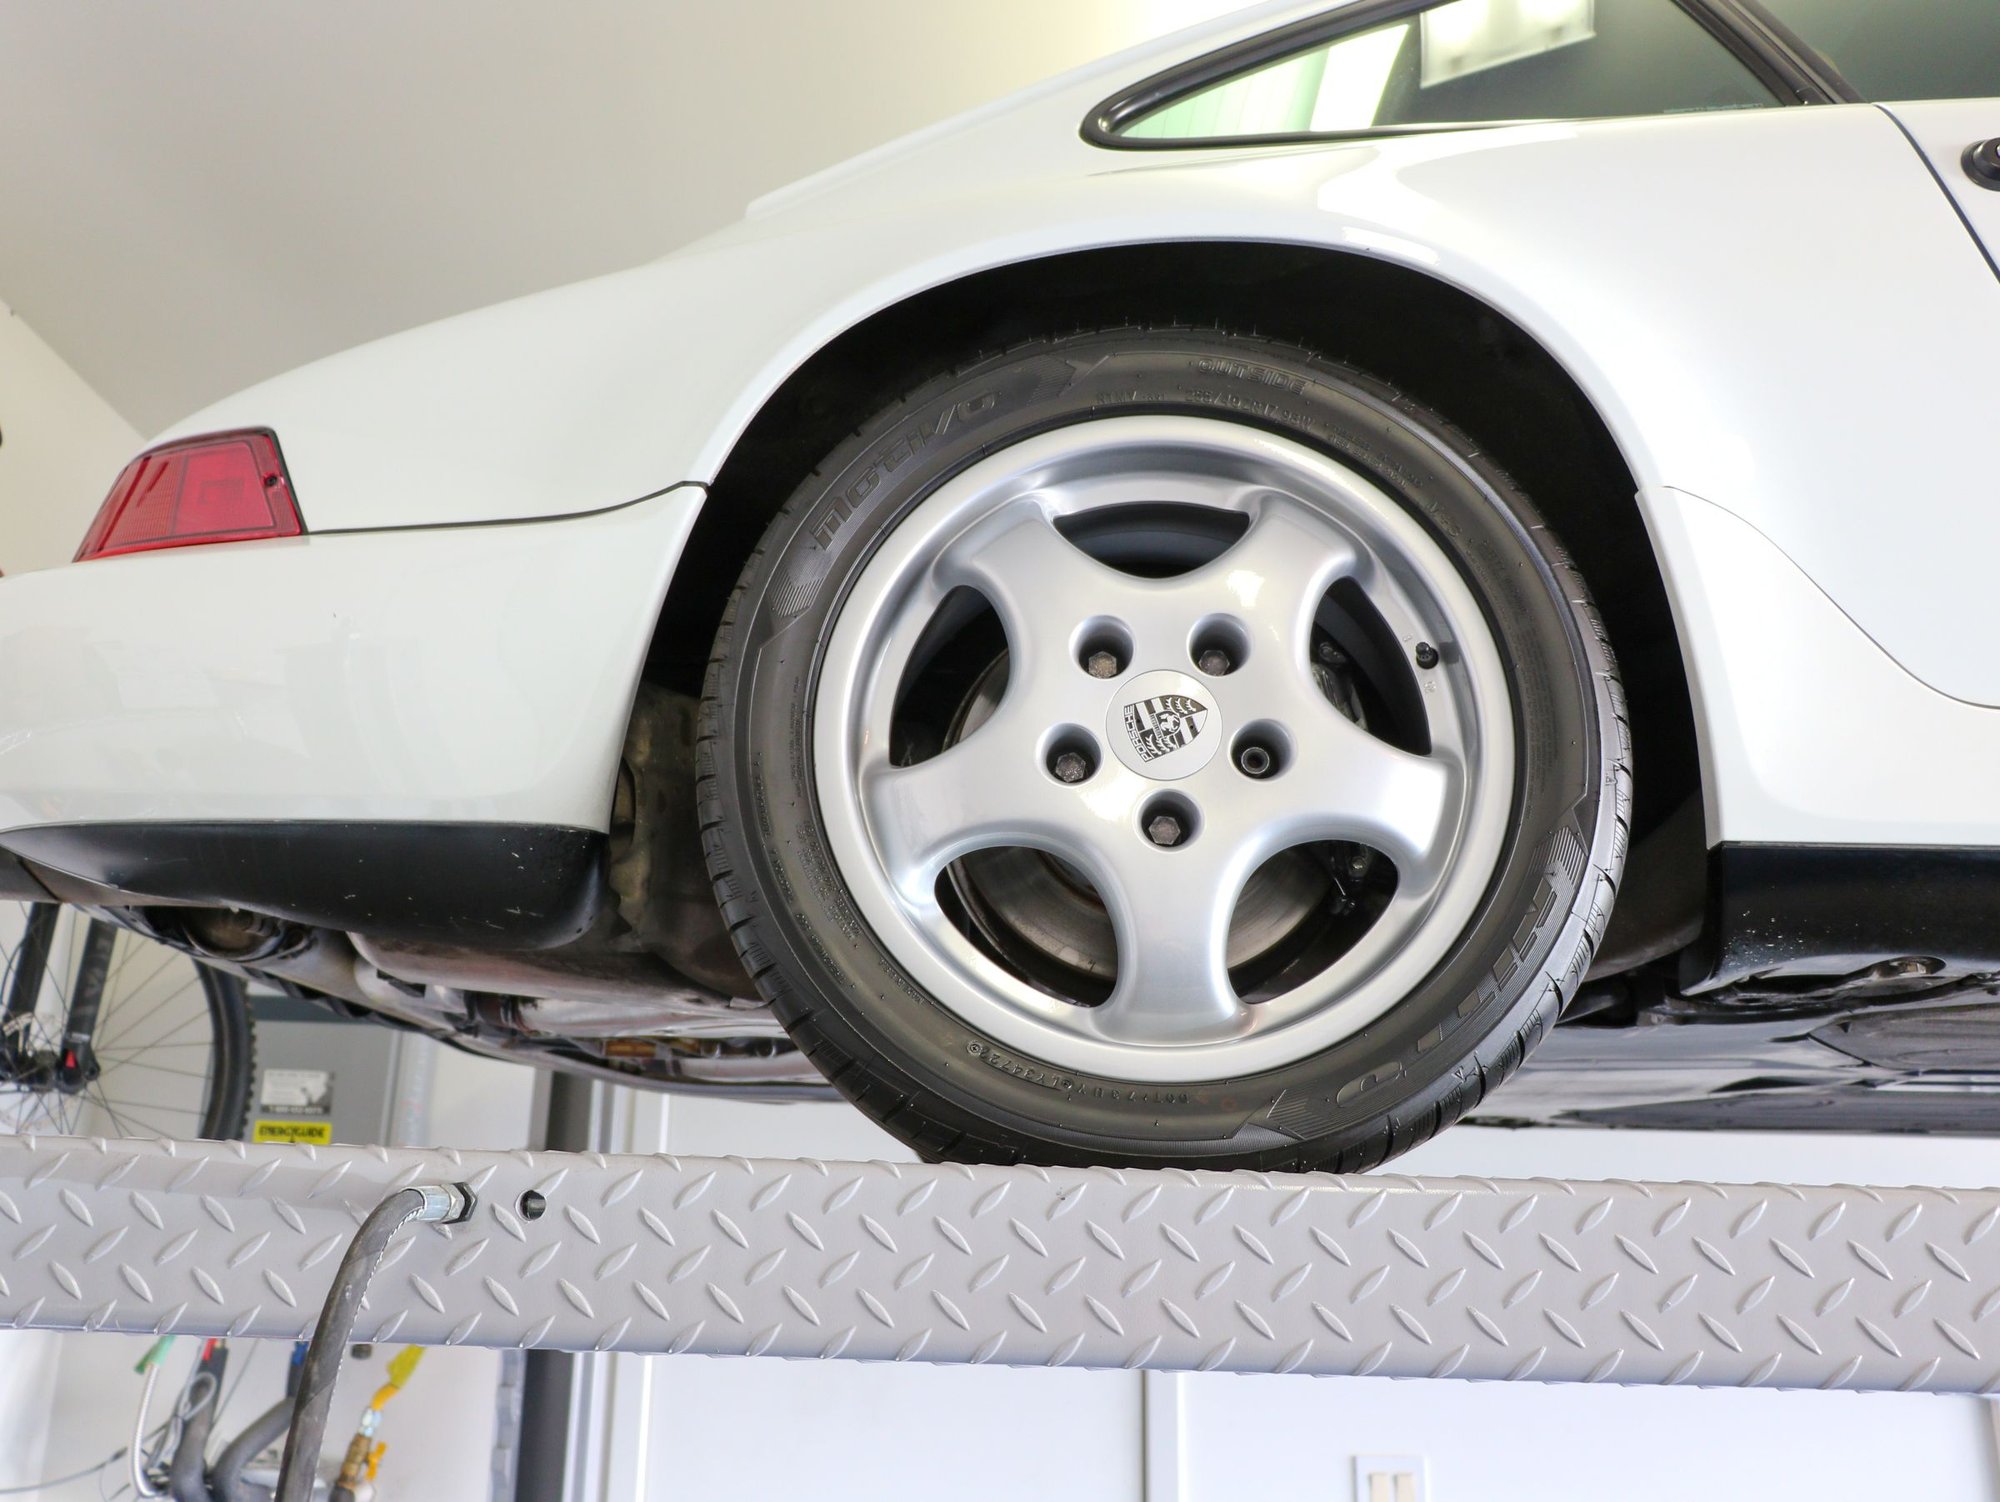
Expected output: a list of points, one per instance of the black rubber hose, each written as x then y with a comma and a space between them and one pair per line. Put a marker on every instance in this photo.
225, 1477
300, 1466
185, 1481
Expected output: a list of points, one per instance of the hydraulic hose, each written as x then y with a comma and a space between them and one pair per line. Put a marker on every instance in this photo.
439, 1203
225, 1478
185, 1480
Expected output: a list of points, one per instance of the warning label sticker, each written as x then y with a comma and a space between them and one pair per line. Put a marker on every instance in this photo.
317, 1133
297, 1092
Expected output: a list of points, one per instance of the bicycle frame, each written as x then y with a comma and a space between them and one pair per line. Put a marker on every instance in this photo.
24, 980
72, 1067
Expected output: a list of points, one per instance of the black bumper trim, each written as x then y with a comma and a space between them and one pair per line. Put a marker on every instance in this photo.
17, 884
496, 886
1830, 909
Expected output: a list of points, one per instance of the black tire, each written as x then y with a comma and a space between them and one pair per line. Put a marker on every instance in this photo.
949, 1091
233, 1064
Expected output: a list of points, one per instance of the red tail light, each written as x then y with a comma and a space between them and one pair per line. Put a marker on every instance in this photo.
225, 487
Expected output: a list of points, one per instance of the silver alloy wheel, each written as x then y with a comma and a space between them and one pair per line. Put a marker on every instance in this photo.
1161, 729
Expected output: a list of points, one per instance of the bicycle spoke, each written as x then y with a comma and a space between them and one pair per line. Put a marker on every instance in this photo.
156, 972
118, 967
192, 1074
161, 1041
153, 1010
135, 1108
116, 1120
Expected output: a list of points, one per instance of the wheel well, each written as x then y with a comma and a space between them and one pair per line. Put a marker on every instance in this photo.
1439, 345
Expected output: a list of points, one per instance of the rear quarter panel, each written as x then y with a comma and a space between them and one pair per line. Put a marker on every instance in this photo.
1777, 311
1778, 314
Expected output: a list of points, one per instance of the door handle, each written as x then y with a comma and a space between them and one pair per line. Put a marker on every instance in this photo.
1982, 163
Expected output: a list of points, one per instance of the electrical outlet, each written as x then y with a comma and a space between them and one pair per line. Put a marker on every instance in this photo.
1390, 1478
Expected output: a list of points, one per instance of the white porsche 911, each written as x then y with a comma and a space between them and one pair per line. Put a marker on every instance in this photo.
1195, 615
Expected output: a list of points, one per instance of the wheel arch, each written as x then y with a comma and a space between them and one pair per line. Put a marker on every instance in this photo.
1441, 345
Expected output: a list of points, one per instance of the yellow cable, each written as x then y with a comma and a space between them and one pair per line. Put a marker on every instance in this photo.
404, 1363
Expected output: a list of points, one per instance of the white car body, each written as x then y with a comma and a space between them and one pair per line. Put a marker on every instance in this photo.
1729, 372
1785, 317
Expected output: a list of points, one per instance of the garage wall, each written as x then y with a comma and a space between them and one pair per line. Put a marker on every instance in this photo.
61, 446
219, 190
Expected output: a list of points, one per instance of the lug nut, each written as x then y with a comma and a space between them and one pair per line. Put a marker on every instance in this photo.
1427, 655
1253, 761
1164, 830
1214, 662
1070, 766
1101, 665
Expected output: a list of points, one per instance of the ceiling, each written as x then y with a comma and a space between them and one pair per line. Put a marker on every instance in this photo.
201, 194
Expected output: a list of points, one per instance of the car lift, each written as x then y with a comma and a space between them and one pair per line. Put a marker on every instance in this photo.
1718, 1285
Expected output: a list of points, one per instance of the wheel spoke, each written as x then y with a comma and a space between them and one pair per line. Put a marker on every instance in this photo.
1276, 574
1351, 786
1171, 910
989, 789
1039, 582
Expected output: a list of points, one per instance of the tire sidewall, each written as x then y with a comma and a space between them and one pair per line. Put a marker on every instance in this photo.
838, 988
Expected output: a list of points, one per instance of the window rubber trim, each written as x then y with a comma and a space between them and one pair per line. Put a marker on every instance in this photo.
1752, 40
1767, 32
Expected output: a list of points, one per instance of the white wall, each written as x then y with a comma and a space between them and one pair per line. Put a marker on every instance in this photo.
206, 193
1495, 1442
28, 1360
61, 446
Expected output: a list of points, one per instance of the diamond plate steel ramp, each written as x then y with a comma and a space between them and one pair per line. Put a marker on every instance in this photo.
1638, 1283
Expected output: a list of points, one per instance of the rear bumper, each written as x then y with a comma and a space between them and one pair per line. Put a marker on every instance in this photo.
258, 722
491, 886
16, 884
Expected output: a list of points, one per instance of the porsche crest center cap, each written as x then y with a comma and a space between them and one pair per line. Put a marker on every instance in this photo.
1163, 725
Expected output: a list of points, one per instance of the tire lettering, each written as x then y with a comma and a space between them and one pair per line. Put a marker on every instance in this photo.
888, 460
1034, 1074
1243, 370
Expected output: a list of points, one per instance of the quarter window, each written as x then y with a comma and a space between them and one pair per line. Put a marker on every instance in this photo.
1950, 50
1472, 62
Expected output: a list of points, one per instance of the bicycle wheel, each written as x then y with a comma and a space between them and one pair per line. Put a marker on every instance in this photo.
106, 1033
